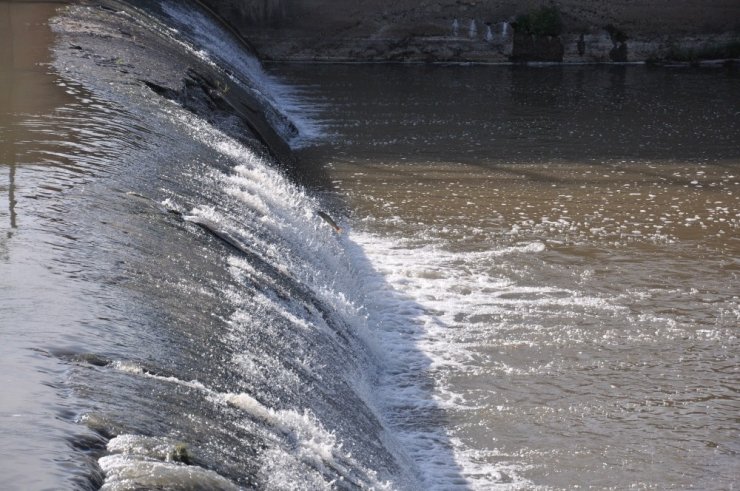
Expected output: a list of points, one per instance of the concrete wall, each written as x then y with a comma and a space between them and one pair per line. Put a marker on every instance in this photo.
419, 30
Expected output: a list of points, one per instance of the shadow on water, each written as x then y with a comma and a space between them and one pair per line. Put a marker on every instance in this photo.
406, 382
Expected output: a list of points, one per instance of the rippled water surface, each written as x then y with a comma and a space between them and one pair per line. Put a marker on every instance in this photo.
175, 313
572, 237
41, 297
535, 285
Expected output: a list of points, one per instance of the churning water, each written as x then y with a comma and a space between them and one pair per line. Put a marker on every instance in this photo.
535, 284
562, 245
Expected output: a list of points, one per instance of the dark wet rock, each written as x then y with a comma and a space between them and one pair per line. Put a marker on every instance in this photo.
180, 454
216, 99
92, 359
103, 427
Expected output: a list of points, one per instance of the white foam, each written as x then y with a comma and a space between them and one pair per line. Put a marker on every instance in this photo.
126, 473
252, 406
404, 304
422, 303
140, 462
299, 440
128, 367
219, 48
305, 442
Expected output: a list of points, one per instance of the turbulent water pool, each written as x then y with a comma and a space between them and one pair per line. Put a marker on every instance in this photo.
563, 245
535, 285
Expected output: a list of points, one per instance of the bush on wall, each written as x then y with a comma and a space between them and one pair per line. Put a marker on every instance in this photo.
545, 21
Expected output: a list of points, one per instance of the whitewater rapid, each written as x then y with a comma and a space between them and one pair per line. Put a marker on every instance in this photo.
475, 324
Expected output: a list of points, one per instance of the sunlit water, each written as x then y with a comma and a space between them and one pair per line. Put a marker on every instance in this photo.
535, 284
570, 238
175, 313
42, 299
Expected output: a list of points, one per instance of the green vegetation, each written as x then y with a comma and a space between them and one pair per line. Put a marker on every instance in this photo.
180, 454
222, 87
545, 21
617, 35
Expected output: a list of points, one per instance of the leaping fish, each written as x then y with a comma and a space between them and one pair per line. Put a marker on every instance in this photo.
330, 221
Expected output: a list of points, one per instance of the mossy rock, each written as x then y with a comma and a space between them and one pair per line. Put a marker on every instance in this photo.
180, 454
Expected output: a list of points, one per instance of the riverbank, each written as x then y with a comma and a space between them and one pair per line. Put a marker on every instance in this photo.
484, 31
593, 46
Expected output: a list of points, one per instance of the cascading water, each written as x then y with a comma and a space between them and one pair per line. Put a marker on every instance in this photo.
217, 46
242, 351
499, 308
297, 364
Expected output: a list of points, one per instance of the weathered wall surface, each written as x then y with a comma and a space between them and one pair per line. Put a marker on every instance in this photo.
472, 30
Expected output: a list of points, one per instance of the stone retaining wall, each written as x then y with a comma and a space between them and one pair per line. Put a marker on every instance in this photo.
474, 30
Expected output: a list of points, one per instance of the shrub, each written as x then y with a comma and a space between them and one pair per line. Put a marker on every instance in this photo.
545, 21
617, 35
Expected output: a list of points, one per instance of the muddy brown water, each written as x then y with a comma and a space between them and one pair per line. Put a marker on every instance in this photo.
573, 234
557, 250
29, 408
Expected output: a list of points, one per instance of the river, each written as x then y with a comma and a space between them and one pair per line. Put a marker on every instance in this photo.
572, 235
535, 285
